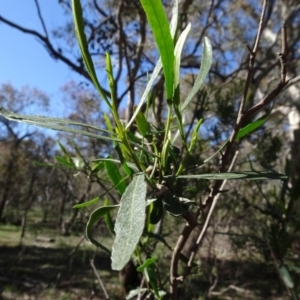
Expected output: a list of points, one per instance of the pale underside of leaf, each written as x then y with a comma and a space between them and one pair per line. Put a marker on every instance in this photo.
206, 62
130, 222
236, 175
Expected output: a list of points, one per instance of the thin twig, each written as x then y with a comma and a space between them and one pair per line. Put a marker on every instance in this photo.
209, 215
41, 17
98, 278
283, 54
252, 57
188, 228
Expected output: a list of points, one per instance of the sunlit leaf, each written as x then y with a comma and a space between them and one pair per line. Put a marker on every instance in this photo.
88, 203
83, 45
130, 222
206, 62
159, 24
56, 124
195, 135
158, 66
131, 165
142, 124
178, 51
64, 161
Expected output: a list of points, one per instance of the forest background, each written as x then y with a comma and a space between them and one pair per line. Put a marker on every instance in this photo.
255, 230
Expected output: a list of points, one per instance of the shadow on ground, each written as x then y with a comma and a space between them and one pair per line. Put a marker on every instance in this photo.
38, 271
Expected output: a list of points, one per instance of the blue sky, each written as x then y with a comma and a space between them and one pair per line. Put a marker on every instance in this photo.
23, 60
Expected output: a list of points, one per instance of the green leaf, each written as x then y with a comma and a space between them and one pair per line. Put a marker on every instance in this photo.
178, 51
286, 277
64, 151
253, 125
65, 161
83, 45
154, 75
142, 124
245, 130
158, 66
206, 62
57, 124
218, 151
236, 175
158, 22
108, 220
88, 203
130, 165
111, 81
195, 135
115, 176
130, 222
148, 262
96, 166
94, 217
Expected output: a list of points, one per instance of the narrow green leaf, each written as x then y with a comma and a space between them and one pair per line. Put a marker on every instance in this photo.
48, 121
178, 51
83, 45
111, 81
108, 220
88, 203
237, 175
195, 134
115, 176
174, 19
64, 151
286, 277
148, 262
253, 125
244, 131
108, 123
56, 124
158, 66
94, 217
64, 161
206, 62
130, 165
142, 124
130, 222
124, 163
154, 75
96, 166
158, 22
